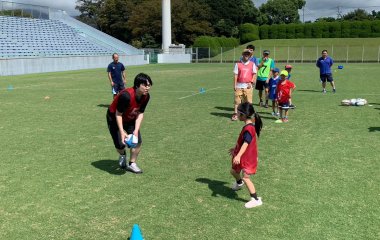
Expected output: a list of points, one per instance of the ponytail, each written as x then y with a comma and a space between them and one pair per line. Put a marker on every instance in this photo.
258, 124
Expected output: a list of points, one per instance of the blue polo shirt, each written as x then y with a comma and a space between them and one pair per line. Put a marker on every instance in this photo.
116, 70
325, 65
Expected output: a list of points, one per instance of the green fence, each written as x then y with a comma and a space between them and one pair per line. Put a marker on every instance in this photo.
352, 53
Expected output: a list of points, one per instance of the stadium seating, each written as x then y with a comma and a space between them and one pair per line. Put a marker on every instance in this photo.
27, 37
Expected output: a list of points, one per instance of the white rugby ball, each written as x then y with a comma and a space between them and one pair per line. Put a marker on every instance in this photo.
345, 102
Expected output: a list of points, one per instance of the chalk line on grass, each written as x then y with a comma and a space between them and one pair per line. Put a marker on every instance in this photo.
194, 94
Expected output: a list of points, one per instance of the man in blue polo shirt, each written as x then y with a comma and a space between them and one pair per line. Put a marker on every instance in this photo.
116, 75
324, 64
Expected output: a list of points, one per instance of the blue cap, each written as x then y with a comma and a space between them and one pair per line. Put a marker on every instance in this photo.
276, 70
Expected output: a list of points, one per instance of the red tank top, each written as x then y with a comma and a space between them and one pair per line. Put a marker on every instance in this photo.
130, 114
245, 74
248, 160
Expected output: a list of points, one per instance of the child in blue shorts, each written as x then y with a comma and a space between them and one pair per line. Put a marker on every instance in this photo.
272, 90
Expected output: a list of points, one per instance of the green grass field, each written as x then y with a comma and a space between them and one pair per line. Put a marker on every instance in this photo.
318, 175
342, 49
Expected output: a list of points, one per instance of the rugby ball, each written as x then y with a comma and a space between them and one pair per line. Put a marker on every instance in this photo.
131, 141
360, 102
345, 102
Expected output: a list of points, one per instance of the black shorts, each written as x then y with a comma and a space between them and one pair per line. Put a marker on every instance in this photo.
326, 77
118, 87
114, 131
261, 85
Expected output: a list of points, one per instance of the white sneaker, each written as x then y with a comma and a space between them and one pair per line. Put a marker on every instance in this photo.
122, 161
254, 203
134, 168
237, 186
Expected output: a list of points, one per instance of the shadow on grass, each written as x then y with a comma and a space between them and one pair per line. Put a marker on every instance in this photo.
308, 90
110, 166
229, 109
219, 114
229, 115
103, 105
373, 129
218, 188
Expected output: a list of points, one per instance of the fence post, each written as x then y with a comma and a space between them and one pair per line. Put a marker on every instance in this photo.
274, 52
221, 55
363, 54
209, 54
196, 55
287, 61
347, 55
234, 54
378, 55
302, 55
317, 52
332, 50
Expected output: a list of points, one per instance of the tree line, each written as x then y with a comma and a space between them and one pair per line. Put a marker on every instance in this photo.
138, 22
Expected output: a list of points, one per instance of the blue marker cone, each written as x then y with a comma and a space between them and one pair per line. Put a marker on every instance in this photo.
136, 233
202, 90
10, 88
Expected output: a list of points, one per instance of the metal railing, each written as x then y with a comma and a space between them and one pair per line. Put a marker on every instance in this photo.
14, 9
289, 54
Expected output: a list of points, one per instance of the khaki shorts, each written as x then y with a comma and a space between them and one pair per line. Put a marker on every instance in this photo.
243, 95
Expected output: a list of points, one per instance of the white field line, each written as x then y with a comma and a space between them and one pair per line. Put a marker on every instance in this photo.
194, 94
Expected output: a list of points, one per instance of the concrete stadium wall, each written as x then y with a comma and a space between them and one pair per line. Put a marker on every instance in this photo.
19, 66
174, 58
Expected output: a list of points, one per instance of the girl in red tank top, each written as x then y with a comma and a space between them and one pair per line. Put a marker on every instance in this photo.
244, 154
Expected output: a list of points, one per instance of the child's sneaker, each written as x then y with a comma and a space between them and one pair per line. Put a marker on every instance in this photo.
274, 114
266, 105
134, 168
122, 161
236, 186
277, 114
334, 90
324, 91
254, 203
285, 120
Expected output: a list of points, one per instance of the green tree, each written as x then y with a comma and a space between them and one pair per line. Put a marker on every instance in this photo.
113, 18
249, 32
357, 15
375, 28
264, 31
375, 15
325, 19
299, 31
282, 11
89, 11
335, 29
237, 11
190, 19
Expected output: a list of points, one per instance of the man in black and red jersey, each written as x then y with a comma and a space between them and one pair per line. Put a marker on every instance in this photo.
125, 116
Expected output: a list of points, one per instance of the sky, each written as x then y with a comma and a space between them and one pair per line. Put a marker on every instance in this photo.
313, 9
329, 8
